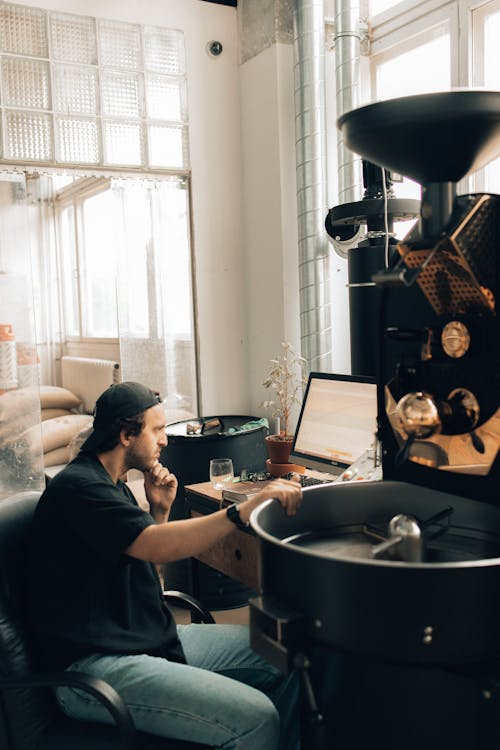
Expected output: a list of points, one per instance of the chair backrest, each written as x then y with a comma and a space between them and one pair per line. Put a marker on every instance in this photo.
24, 714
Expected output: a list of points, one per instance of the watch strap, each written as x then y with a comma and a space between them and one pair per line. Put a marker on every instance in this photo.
233, 513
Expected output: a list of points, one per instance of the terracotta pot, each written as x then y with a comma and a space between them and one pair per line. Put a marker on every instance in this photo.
279, 470
278, 448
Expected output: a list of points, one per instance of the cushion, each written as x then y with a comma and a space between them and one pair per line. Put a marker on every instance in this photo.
57, 456
78, 440
51, 413
60, 430
56, 432
53, 396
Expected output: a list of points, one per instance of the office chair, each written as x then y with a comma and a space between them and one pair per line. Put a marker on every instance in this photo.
30, 718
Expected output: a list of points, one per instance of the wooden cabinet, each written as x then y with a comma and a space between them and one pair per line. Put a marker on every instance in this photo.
236, 556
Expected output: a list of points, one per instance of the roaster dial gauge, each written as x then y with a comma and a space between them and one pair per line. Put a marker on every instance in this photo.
455, 339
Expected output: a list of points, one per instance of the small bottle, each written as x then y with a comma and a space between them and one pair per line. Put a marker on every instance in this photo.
28, 366
8, 358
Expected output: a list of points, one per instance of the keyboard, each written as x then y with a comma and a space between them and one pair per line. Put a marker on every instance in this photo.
306, 481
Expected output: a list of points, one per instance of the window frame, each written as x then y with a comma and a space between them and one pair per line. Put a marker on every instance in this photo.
74, 195
401, 26
406, 28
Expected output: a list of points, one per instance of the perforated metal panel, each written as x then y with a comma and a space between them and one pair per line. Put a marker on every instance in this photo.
458, 275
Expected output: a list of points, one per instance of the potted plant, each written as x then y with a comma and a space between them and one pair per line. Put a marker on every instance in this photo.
287, 378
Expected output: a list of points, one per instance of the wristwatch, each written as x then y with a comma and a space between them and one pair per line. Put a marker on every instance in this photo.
233, 513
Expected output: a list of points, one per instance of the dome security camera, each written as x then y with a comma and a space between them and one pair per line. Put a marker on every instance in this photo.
214, 48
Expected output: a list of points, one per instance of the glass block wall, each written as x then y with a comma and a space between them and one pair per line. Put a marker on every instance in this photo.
78, 90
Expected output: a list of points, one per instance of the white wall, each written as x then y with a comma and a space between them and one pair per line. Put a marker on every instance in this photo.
270, 210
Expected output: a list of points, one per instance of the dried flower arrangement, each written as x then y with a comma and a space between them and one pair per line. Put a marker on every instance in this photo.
287, 376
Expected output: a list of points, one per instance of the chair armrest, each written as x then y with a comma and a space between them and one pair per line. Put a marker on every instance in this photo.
198, 611
99, 689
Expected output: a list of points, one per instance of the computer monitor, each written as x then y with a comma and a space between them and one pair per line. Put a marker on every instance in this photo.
337, 421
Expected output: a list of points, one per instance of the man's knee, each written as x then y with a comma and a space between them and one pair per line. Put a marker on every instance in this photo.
266, 722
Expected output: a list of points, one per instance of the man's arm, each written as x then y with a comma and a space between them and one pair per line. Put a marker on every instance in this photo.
167, 542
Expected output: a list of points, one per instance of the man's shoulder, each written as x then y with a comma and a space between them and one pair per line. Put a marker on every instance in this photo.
84, 470
83, 480
84, 465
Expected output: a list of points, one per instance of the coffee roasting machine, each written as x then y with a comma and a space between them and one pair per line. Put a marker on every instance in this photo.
386, 595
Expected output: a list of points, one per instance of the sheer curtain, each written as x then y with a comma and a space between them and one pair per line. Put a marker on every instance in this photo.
45, 273
21, 465
155, 291
137, 231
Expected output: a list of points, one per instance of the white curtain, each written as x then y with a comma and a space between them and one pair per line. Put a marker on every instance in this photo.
45, 269
155, 296
21, 464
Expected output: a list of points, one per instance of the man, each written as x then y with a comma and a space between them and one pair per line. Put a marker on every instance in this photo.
100, 607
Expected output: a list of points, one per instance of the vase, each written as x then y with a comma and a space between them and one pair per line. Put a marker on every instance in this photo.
278, 448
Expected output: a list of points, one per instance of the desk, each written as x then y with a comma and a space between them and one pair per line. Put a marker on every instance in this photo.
237, 554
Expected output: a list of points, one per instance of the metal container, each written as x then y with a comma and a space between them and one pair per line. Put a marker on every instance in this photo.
188, 455
442, 610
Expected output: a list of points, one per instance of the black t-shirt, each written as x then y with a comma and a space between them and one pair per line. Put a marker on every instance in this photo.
89, 596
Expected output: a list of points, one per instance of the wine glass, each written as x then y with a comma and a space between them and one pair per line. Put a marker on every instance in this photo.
221, 472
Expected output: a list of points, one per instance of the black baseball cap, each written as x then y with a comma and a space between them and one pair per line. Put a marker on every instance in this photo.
119, 401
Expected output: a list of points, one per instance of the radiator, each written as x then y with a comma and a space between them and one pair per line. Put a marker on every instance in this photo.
88, 377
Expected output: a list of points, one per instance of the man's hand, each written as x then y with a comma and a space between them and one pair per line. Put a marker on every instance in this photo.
287, 493
161, 487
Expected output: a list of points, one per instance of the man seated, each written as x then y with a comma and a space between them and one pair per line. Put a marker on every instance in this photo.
98, 605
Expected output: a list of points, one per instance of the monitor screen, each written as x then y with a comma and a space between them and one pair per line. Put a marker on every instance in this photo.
337, 421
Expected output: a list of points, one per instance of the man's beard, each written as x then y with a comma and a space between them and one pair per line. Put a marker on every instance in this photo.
137, 460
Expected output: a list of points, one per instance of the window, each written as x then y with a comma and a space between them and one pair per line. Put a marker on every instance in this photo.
104, 223
417, 49
79, 91
91, 91
486, 72
410, 68
87, 249
125, 274
379, 6
419, 63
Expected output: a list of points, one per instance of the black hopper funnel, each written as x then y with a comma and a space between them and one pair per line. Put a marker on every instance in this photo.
429, 138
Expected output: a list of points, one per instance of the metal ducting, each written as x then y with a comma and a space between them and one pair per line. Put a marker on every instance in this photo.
314, 252
347, 80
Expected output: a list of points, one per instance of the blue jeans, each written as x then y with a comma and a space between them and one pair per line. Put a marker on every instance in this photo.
225, 696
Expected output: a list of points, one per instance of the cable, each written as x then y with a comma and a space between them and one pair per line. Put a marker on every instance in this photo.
386, 217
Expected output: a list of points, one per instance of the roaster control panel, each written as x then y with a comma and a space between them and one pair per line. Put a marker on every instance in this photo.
367, 468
